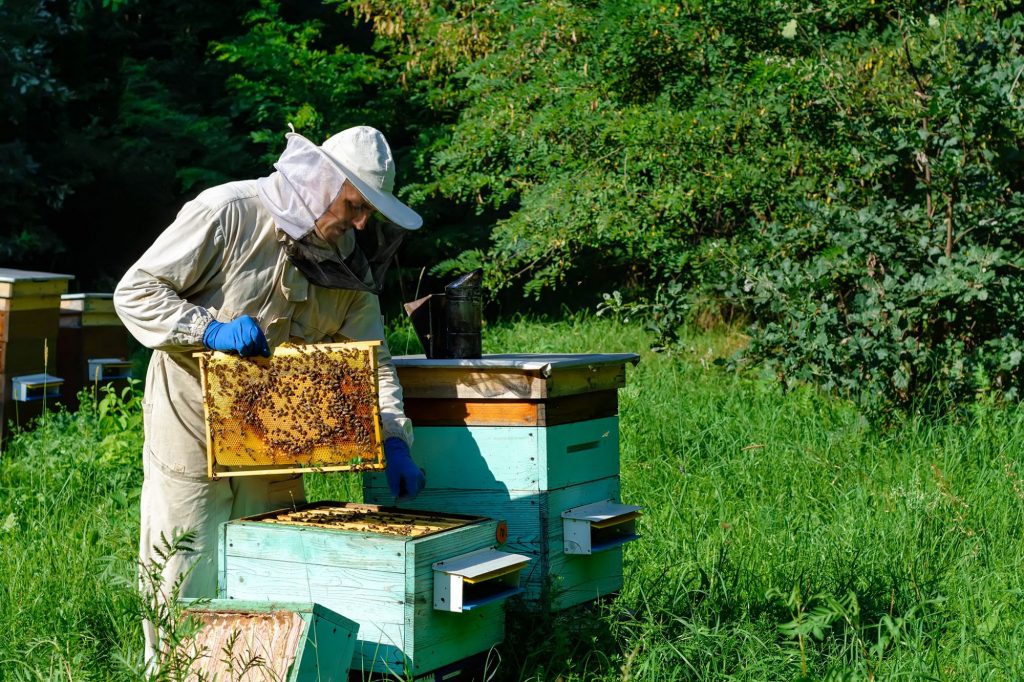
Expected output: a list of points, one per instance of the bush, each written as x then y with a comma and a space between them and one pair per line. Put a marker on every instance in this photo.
903, 285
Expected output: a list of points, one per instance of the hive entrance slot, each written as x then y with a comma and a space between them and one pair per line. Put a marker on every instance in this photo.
472, 580
109, 369
32, 387
476, 593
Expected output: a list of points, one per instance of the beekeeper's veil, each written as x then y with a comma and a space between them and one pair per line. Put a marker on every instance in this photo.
309, 178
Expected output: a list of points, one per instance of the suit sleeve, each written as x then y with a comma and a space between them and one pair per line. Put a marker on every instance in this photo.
363, 323
152, 297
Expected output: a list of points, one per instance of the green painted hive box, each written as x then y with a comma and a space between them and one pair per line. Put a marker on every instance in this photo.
426, 589
532, 440
250, 641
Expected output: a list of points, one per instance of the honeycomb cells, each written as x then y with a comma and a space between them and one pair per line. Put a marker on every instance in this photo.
365, 519
305, 406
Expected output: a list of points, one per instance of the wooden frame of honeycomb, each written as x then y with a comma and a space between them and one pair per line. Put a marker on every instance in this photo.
353, 517
305, 408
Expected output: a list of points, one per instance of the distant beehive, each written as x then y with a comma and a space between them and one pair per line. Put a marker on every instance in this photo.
93, 344
305, 408
29, 313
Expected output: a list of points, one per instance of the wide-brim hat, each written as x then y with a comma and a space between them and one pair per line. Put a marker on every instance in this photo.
364, 158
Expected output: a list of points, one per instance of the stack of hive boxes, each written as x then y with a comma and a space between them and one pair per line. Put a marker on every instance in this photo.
426, 589
93, 344
29, 319
532, 440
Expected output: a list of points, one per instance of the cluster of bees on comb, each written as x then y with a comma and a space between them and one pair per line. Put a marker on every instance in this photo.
294, 404
363, 520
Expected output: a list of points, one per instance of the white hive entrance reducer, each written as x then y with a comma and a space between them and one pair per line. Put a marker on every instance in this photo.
305, 408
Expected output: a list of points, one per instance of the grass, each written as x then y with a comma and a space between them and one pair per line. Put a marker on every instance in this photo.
784, 536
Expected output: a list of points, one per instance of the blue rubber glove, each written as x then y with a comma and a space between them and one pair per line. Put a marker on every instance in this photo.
241, 335
405, 479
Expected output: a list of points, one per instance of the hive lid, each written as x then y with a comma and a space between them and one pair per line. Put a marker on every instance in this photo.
483, 563
543, 364
30, 290
305, 408
12, 275
33, 380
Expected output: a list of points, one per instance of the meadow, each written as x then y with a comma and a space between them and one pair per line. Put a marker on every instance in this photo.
784, 535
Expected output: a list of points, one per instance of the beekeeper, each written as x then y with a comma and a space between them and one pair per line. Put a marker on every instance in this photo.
245, 267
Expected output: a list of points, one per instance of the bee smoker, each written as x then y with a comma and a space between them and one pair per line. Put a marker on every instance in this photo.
448, 325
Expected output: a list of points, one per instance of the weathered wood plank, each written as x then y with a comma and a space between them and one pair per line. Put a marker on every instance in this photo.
551, 412
453, 382
347, 589
512, 377
297, 642
304, 544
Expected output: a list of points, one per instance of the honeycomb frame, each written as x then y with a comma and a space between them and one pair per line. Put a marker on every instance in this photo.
306, 408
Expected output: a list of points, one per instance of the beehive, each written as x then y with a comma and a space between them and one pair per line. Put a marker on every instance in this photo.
29, 314
532, 440
305, 408
385, 569
93, 344
263, 641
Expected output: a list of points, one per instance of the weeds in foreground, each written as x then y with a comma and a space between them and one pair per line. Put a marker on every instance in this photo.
183, 654
745, 488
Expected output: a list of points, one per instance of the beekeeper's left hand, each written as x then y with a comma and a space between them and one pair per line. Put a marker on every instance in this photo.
405, 479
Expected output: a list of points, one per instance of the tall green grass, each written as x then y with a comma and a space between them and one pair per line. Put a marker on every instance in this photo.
784, 537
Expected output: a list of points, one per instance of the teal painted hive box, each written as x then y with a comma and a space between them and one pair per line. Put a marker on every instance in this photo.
427, 590
532, 440
290, 642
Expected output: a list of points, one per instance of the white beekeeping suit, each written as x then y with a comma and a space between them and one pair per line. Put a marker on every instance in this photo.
226, 256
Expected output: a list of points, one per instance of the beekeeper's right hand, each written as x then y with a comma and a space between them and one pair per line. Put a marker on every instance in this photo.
241, 335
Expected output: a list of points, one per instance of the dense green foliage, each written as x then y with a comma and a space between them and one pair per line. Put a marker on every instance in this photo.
783, 536
902, 283
845, 175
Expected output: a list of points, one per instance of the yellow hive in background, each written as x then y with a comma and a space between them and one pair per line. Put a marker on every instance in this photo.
305, 408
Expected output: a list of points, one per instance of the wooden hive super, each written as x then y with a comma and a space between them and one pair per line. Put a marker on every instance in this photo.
532, 440
426, 589
305, 408
260, 641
